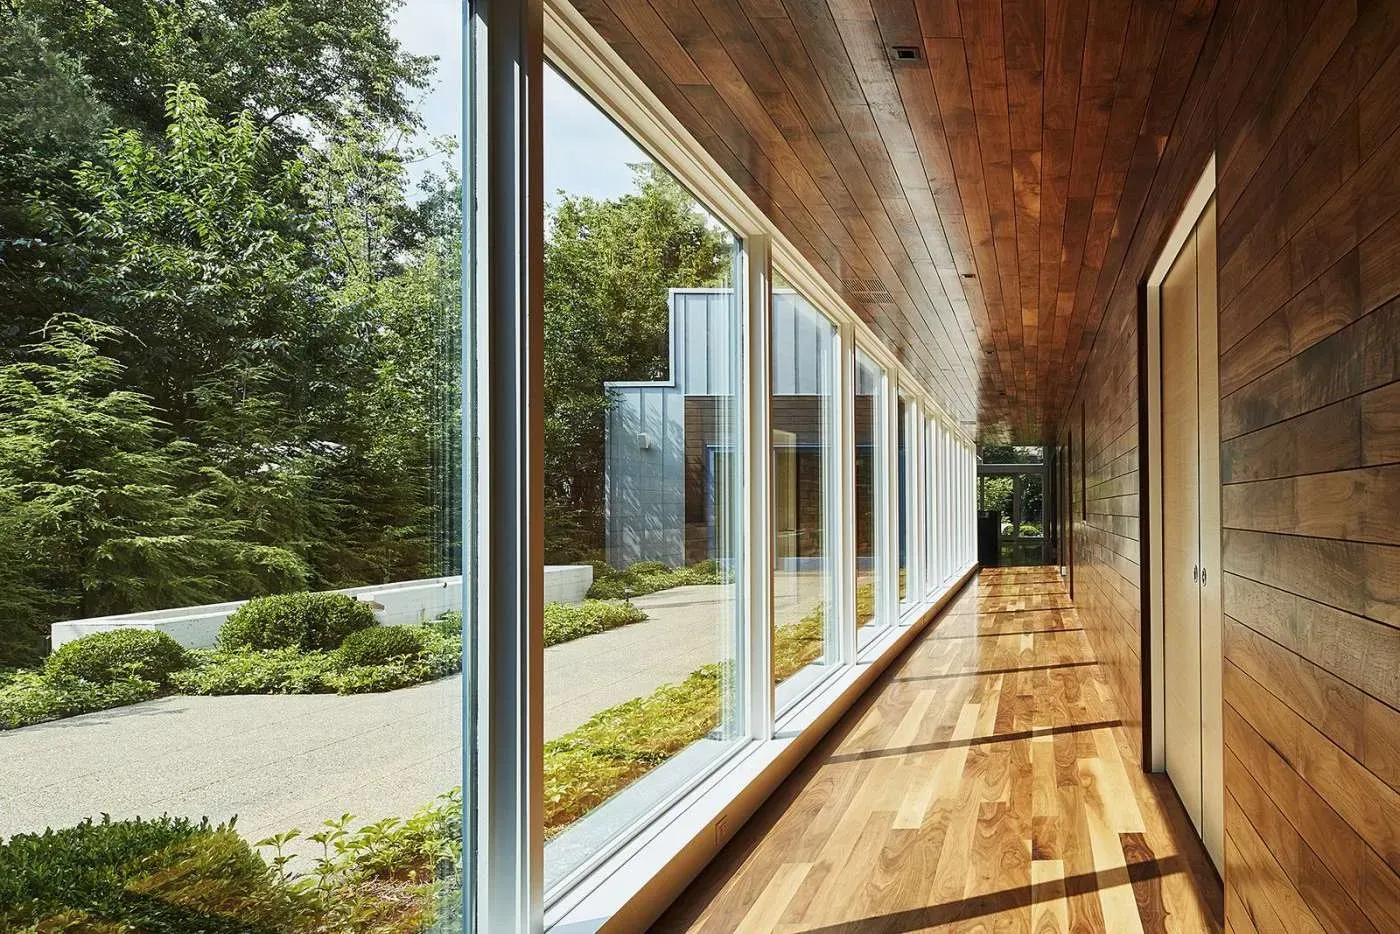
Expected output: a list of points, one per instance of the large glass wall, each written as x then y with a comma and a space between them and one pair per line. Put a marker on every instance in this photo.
805, 494
642, 433
231, 468
872, 513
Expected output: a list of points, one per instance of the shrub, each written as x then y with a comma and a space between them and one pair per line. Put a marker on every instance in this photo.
646, 577
309, 621
380, 644
566, 621
292, 671
449, 623
275, 671
33, 697
164, 874
107, 657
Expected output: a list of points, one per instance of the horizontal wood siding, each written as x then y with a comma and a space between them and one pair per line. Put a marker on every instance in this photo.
1300, 103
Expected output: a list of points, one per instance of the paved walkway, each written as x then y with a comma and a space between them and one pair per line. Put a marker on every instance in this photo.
292, 761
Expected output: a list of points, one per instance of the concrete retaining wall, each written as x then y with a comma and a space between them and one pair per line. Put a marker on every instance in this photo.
399, 603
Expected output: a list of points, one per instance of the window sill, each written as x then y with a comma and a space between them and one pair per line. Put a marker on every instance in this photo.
630, 889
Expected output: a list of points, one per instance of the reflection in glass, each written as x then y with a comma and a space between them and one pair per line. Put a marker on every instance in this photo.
805, 498
641, 422
870, 497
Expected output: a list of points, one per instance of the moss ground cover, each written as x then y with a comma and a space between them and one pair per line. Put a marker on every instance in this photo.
587, 766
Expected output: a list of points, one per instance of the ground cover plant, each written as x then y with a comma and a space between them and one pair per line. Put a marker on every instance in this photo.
564, 622
393, 876
615, 747
106, 670
646, 577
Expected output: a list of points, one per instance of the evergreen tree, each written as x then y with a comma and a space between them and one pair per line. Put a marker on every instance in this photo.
105, 502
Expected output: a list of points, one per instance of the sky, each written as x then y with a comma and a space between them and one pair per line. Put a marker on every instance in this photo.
584, 152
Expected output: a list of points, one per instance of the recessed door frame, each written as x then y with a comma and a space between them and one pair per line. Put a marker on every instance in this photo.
1153, 602
1150, 376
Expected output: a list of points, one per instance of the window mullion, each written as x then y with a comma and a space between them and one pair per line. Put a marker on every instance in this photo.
756, 552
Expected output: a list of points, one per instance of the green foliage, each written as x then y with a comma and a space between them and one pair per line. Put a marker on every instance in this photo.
98, 492
393, 876
566, 621
108, 657
591, 763
273, 671
308, 621
380, 644
646, 577
39, 872
608, 266
588, 765
295, 671
167, 874
50, 123
294, 63
31, 697
996, 492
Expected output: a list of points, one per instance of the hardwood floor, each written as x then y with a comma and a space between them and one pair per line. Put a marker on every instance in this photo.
984, 784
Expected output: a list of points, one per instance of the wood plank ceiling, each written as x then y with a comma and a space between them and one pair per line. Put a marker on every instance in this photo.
970, 201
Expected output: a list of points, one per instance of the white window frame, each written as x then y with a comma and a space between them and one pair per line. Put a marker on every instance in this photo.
638, 875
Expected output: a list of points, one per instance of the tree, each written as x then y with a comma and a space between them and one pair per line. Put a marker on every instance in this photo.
106, 503
608, 266
50, 123
291, 63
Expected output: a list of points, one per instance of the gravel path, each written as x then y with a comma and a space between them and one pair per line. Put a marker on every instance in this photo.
293, 761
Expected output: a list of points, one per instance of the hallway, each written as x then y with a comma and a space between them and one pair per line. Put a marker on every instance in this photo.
984, 784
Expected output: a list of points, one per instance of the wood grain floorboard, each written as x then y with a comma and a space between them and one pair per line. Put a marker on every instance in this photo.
985, 783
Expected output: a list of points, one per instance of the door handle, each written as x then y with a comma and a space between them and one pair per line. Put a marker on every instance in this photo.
1203, 577
1195, 572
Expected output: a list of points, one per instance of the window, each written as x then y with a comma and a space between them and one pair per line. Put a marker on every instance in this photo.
642, 392
805, 495
231, 463
932, 514
905, 505
871, 480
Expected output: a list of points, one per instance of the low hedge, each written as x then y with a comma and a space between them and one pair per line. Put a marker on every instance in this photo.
567, 621
31, 697
292, 671
309, 621
108, 657
646, 577
379, 662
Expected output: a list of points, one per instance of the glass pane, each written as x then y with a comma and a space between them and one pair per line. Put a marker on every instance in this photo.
870, 497
906, 451
931, 516
641, 419
230, 471
805, 495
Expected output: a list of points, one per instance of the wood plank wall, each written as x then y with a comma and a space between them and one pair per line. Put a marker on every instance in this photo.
1300, 102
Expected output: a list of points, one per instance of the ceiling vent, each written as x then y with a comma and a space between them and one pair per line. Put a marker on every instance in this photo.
867, 290
905, 53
